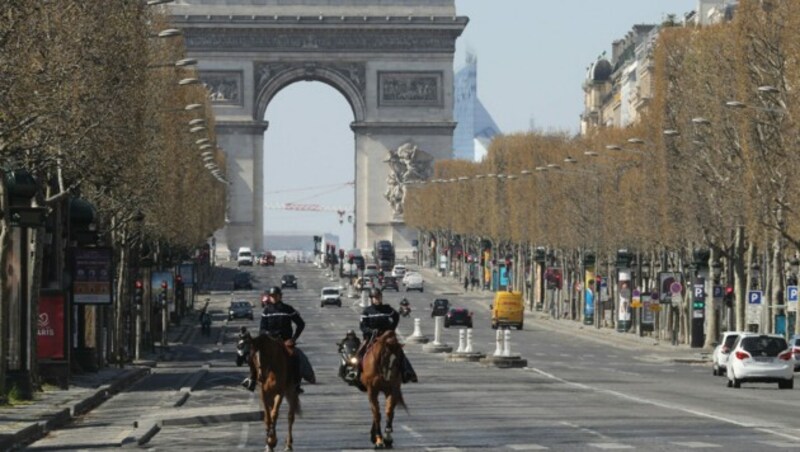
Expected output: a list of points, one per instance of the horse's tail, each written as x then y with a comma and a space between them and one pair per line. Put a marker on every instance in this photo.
400, 401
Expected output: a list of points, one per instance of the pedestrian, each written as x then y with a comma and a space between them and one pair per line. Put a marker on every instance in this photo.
466, 283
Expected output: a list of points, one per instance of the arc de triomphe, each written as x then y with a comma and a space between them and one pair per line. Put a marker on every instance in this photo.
391, 59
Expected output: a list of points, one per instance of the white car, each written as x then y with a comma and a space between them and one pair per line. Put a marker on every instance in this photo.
760, 358
399, 271
794, 343
719, 358
330, 295
414, 282
244, 256
408, 275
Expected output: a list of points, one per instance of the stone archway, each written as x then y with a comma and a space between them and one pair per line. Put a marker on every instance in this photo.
391, 60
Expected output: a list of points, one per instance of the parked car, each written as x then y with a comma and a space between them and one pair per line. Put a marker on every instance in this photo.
719, 358
330, 295
440, 307
399, 271
415, 282
458, 317
289, 281
390, 282
794, 343
244, 256
760, 358
240, 309
242, 281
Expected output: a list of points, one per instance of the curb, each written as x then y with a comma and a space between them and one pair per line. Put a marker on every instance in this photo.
38, 429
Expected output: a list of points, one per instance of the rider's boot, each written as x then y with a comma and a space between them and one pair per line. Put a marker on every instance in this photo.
408, 373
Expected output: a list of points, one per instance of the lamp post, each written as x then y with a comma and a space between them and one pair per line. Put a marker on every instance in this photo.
791, 309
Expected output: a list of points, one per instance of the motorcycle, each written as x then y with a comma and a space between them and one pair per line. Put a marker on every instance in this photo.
348, 361
242, 348
405, 308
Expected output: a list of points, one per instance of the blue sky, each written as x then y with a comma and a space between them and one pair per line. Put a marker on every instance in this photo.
532, 58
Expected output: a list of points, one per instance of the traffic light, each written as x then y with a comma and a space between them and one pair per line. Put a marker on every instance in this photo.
728, 297
341, 254
138, 292
163, 295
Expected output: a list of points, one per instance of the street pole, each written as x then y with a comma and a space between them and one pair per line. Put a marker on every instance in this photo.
138, 332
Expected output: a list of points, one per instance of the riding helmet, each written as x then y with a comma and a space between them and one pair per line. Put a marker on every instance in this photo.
275, 290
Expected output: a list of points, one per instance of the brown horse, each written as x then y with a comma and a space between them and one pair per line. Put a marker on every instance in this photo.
382, 374
275, 377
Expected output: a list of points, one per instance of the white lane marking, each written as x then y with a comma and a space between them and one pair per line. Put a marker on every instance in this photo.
610, 446
526, 447
779, 444
442, 449
410, 431
243, 436
781, 434
587, 430
696, 445
661, 404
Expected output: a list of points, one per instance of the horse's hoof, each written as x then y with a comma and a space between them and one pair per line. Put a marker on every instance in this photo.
288, 448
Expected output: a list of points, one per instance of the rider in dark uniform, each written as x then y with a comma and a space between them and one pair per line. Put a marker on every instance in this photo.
276, 321
377, 319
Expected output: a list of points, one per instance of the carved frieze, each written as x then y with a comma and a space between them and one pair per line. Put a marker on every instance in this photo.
224, 87
410, 89
354, 72
249, 40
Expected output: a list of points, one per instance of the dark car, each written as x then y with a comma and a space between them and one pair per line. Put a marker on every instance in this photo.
240, 310
390, 282
439, 307
289, 281
242, 281
458, 317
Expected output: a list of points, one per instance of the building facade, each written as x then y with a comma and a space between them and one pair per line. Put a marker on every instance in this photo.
618, 90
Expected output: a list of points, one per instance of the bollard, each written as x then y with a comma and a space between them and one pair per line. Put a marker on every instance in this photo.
417, 329
468, 347
498, 351
437, 332
461, 345
507, 343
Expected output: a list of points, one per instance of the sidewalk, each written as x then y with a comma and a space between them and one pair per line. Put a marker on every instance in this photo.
651, 348
54, 408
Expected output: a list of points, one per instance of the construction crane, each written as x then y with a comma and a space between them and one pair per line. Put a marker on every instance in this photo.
298, 207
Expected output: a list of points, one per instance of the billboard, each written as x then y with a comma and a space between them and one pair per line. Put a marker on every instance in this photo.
51, 331
156, 278
92, 273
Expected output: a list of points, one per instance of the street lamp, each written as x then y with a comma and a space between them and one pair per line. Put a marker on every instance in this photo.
701, 121
768, 89
168, 33
671, 132
197, 122
197, 129
184, 62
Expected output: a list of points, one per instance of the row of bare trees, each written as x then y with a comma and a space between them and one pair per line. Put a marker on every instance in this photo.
711, 165
92, 107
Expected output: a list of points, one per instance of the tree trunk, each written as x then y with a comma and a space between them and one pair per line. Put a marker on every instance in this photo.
712, 328
739, 278
5, 243
777, 297
35, 283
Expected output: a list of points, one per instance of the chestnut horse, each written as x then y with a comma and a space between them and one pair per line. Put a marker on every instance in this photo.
275, 378
381, 373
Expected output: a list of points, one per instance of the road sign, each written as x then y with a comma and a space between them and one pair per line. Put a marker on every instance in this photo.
754, 297
699, 292
791, 294
718, 292
675, 288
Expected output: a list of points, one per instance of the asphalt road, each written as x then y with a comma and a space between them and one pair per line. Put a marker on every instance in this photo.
575, 394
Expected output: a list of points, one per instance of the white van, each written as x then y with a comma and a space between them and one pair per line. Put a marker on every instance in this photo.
244, 256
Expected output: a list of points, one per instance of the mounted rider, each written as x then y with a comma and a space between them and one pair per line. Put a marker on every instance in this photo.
276, 322
376, 319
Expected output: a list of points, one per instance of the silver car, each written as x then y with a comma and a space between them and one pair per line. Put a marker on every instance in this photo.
719, 358
794, 344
